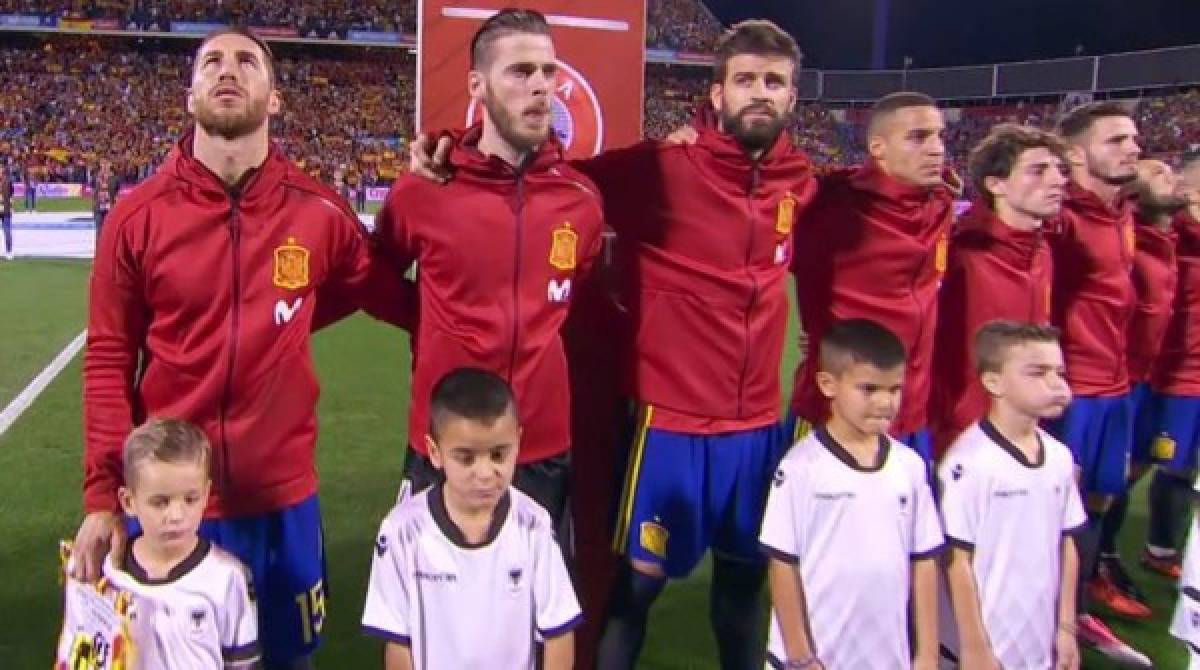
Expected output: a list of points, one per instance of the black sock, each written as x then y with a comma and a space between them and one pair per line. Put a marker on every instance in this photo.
1170, 505
1087, 543
625, 628
736, 613
1110, 526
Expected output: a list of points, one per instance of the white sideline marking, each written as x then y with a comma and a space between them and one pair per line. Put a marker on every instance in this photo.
26, 397
552, 19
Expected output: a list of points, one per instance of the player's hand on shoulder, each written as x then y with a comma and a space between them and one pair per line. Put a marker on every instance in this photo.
430, 160
683, 135
100, 533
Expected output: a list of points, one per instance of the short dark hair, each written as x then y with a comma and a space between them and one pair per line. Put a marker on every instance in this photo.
167, 441
996, 338
758, 37
894, 102
859, 341
241, 31
470, 393
998, 153
1080, 119
507, 21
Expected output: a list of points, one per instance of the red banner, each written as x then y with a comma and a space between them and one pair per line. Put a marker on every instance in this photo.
601, 52
276, 31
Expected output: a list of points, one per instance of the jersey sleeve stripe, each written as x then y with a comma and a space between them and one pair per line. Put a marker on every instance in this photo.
565, 628
1075, 530
388, 635
930, 553
246, 652
779, 554
1192, 592
958, 543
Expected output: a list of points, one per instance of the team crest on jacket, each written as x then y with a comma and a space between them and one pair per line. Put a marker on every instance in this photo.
785, 216
654, 538
291, 266
562, 248
1163, 448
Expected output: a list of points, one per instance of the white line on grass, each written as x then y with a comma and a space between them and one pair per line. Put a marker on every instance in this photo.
26, 397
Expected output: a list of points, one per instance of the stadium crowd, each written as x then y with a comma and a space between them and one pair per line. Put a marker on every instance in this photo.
673, 24
348, 111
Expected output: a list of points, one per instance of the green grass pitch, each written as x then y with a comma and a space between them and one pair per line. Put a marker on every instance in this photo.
364, 373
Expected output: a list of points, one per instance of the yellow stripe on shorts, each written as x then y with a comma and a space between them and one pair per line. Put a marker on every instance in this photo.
632, 472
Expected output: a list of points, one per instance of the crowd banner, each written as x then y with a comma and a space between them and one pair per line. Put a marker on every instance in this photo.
597, 101
51, 190
376, 36
195, 27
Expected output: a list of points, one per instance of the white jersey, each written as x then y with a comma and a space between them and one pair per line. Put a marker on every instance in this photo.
1185, 625
1012, 512
201, 616
852, 532
459, 606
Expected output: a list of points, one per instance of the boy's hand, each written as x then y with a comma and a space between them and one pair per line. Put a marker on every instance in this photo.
1066, 651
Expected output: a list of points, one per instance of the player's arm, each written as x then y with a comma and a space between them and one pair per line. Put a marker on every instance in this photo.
976, 651
365, 276
397, 657
117, 323
791, 608
558, 653
1066, 649
925, 612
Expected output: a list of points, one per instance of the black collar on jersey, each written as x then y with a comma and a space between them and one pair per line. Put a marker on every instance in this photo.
846, 457
180, 570
1013, 450
437, 507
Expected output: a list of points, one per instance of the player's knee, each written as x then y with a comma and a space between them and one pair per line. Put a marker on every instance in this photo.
647, 569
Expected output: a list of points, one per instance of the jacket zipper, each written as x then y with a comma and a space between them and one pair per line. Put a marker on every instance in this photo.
235, 235
516, 286
753, 288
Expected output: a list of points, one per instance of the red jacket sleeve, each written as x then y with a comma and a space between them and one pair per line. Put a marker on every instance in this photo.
362, 277
117, 320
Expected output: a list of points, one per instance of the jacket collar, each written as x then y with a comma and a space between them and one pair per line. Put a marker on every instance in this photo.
182, 164
465, 156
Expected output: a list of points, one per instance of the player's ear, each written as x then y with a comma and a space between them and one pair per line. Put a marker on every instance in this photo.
476, 84
1075, 156
827, 383
995, 186
274, 102
191, 104
716, 94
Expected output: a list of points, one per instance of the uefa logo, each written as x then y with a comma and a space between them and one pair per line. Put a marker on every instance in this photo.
575, 114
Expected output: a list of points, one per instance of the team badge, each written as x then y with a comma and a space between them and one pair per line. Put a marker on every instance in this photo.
1163, 448
562, 248
654, 538
956, 472
785, 216
291, 266
779, 478
941, 253
514, 580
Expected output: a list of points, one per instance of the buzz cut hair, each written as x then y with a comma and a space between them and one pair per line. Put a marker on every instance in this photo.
508, 21
470, 393
891, 103
995, 340
165, 440
241, 31
859, 341
1079, 120
758, 37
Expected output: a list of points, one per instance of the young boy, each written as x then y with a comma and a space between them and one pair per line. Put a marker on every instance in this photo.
1009, 503
466, 574
185, 604
851, 528
1185, 625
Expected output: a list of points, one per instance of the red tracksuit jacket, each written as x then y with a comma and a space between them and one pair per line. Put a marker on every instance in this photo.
1154, 276
498, 253
704, 238
201, 307
872, 247
1093, 300
994, 272
1177, 368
